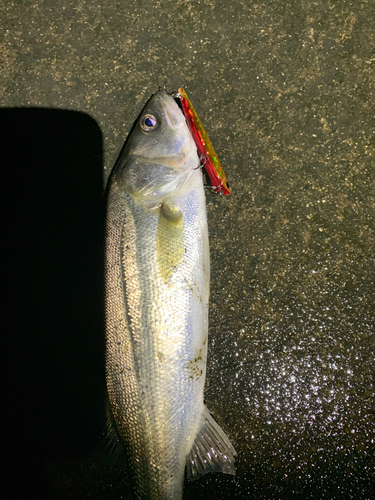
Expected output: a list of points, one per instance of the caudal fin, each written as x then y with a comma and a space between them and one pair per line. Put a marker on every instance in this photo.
212, 451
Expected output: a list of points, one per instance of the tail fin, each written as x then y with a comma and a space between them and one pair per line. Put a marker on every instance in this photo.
212, 451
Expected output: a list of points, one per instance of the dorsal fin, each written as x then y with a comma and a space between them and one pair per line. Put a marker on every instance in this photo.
212, 451
113, 449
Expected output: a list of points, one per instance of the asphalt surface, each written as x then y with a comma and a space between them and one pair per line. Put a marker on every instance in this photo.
286, 92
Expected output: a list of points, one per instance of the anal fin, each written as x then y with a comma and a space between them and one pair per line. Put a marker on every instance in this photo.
212, 451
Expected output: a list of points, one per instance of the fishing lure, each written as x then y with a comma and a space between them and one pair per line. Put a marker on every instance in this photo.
210, 161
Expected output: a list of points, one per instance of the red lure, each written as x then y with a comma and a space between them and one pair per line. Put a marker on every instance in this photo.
205, 149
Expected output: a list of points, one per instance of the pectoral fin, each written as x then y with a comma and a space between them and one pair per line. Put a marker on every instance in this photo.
170, 243
212, 451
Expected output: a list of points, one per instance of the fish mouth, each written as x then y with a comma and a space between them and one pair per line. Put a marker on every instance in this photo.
174, 115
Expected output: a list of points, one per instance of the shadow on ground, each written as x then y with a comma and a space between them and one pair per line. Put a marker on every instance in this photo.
53, 338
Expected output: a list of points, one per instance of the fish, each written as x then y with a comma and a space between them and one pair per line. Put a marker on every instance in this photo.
157, 282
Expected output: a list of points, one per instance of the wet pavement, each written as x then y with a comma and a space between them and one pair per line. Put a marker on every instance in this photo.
286, 92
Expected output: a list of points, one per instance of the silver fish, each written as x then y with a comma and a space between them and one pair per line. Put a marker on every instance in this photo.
157, 279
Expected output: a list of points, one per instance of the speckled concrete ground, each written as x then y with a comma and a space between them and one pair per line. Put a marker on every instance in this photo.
286, 93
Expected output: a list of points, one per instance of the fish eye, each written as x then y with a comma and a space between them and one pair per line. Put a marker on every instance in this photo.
149, 122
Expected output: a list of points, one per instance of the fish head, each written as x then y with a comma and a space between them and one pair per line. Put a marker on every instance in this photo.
161, 156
